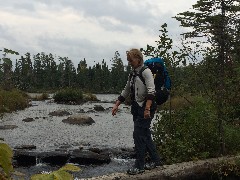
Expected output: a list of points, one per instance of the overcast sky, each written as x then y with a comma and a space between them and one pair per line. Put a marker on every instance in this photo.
91, 29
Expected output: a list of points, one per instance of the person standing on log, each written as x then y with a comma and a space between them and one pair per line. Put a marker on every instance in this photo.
143, 108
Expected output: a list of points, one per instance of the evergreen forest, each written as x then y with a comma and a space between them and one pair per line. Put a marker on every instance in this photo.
44, 72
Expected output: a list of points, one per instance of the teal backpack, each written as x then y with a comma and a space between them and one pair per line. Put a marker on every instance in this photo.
162, 80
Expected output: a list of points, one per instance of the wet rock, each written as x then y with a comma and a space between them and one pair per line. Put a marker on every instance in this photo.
59, 113
28, 120
99, 108
65, 146
88, 157
30, 158
79, 120
81, 111
6, 127
54, 158
24, 158
95, 150
29, 147
91, 111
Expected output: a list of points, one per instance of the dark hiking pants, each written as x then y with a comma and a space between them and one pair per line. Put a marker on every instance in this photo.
142, 135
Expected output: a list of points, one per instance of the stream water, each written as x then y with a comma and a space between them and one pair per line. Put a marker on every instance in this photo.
49, 132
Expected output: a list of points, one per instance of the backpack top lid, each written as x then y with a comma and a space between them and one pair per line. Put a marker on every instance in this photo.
155, 64
154, 60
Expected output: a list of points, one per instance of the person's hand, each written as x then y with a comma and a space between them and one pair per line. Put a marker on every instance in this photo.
114, 110
147, 114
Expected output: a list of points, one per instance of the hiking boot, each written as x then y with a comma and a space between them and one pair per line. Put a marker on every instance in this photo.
152, 165
134, 171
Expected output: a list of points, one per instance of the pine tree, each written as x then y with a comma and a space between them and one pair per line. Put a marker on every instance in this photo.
82, 74
6, 70
215, 22
118, 78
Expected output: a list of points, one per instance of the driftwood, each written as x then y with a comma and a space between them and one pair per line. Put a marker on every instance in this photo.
182, 171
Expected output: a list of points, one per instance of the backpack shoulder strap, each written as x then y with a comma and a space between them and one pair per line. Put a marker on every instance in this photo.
140, 74
130, 75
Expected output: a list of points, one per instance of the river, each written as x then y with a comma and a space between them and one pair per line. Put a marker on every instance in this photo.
48, 133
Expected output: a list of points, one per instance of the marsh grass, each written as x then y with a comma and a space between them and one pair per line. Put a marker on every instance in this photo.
68, 95
12, 100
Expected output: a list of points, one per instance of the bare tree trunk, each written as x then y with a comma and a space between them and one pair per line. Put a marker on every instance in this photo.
221, 84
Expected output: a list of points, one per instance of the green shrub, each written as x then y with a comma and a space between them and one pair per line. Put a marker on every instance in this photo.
12, 100
232, 138
227, 169
68, 96
178, 102
6, 155
191, 133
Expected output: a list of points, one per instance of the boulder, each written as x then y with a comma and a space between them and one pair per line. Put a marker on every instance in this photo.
99, 108
28, 120
24, 158
79, 120
6, 127
58, 158
88, 157
54, 157
59, 113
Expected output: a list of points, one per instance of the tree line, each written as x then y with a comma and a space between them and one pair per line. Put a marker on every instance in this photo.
42, 72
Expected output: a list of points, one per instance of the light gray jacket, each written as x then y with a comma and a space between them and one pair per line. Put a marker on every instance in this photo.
142, 91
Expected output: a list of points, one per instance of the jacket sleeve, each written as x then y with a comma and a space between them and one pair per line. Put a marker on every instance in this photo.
126, 91
149, 81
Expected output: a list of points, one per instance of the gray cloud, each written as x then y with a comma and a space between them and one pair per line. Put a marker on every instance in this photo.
91, 29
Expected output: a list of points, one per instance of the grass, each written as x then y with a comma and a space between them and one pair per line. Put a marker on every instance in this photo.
12, 100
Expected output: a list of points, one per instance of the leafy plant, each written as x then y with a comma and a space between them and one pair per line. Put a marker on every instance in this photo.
60, 174
227, 169
191, 132
6, 155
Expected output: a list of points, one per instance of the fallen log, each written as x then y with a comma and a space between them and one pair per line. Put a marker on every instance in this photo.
201, 169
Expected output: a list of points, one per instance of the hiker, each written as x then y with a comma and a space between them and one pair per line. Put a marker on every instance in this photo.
143, 108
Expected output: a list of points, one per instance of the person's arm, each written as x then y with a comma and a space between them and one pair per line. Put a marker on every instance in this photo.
149, 81
115, 107
121, 98
147, 109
